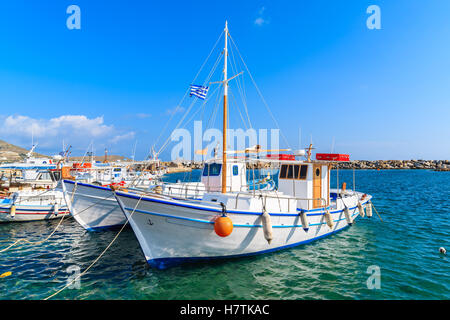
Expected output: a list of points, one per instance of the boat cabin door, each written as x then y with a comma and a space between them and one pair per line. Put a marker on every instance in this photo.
317, 186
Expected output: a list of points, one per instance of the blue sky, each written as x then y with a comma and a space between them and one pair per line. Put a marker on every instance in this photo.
377, 94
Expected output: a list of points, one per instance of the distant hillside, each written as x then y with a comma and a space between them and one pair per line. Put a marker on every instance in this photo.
100, 158
10, 152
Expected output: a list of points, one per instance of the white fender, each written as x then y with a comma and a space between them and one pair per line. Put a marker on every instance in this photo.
329, 219
347, 216
369, 209
361, 210
267, 226
12, 211
55, 209
305, 222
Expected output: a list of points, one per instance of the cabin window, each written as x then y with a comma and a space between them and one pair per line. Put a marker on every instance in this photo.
235, 170
287, 171
212, 169
44, 176
283, 171
303, 172
293, 171
56, 176
290, 173
296, 171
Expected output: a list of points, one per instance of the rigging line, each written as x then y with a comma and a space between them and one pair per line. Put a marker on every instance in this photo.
202, 107
186, 92
213, 69
260, 94
238, 109
240, 84
190, 107
214, 111
207, 80
178, 125
234, 70
22, 199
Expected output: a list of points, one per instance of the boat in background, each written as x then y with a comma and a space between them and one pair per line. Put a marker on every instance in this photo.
29, 193
88, 195
31, 205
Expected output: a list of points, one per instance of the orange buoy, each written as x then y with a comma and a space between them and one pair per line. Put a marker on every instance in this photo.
344, 186
223, 226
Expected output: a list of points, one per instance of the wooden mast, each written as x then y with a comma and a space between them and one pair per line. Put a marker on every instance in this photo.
225, 93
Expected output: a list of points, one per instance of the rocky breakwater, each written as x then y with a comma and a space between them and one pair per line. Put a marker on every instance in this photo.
438, 165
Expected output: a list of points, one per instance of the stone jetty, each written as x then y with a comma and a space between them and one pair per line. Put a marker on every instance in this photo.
437, 165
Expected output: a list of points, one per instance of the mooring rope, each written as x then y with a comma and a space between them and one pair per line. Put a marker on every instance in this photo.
31, 197
98, 258
37, 242
51, 234
376, 210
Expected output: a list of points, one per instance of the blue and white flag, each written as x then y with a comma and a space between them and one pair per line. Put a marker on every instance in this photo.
199, 91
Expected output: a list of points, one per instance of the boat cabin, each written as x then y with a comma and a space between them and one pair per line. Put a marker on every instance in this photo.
308, 180
236, 176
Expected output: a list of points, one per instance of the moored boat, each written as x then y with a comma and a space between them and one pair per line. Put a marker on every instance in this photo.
89, 197
173, 230
32, 205
222, 217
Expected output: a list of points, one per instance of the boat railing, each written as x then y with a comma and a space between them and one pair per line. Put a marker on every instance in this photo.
192, 197
197, 187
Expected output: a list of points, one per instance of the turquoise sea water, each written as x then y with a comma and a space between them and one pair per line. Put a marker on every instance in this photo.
414, 205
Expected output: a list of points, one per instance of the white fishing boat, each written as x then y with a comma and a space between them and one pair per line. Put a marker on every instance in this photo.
89, 197
29, 193
226, 219
31, 205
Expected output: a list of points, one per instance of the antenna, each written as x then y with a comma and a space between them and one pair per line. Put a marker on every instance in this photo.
134, 150
332, 145
299, 137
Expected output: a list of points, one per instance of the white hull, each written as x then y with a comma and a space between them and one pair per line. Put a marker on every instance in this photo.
170, 231
31, 213
93, 207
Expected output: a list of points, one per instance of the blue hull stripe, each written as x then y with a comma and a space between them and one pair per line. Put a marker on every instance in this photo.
208, 209
163, 263
126, 195
234, 225
87, 185
20, 208
105, 227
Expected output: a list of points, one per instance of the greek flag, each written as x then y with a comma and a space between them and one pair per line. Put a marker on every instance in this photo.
199, 91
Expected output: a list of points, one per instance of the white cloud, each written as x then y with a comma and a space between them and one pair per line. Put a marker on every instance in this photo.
175, 110
26, 126
260, 20
143, 115
122, 137
76, 130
